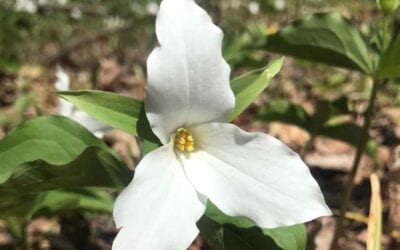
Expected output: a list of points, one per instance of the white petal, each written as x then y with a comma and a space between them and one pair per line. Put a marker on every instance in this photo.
62, 83
65, 108
160, 208
188, 80
62, 79
93, 125
253, 175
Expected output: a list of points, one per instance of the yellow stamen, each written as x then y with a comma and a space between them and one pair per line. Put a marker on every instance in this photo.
184, 140
189, 144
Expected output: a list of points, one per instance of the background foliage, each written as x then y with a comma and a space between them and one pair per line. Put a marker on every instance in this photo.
337, 53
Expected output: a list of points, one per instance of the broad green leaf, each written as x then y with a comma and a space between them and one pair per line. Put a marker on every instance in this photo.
389, 65
92, 168
292, 237
52, 153
56, 201
221, 237
50, 141
323, 38
118, 111
224, 232
89, 199
248, 86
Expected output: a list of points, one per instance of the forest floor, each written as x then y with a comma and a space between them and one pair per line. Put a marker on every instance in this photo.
30, 92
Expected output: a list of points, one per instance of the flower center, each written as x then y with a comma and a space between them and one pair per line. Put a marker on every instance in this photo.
184, 140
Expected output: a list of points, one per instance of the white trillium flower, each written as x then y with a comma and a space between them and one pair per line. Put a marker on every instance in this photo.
152, 8
244, 174
65, 108
26, 6
280, 4
254, 7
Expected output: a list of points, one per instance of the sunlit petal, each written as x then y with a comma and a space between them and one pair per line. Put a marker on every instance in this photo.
62, 83
188, 80
253, 175
93, 125
160, 208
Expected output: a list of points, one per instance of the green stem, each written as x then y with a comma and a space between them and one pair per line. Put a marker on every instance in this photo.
386, 32
356, 163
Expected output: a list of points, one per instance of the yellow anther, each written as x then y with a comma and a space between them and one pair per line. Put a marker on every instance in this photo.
189, 144
184, 140
180, 140
180, 146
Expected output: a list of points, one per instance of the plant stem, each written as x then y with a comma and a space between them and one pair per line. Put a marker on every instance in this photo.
386, 32
356, 163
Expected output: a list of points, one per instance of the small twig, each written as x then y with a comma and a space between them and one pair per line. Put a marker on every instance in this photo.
352, 216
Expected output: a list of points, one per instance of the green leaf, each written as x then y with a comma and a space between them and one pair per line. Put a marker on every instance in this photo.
147, 146
90, 199
50, 153
248, 86
56, 201
323, 38
286, 112
92, 168
118, 111
8, 66
292, 237
389, 65
224, 232
56, 141
221, 237
345, 131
